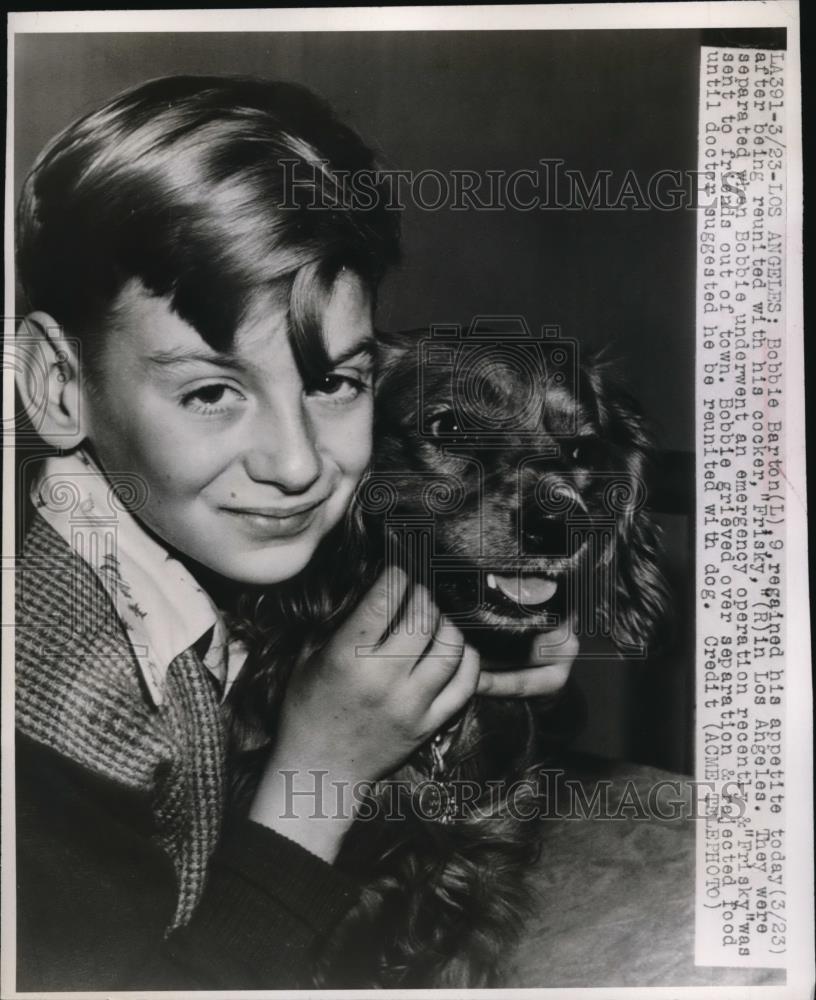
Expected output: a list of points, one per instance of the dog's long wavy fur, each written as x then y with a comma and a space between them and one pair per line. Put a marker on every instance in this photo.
441, 904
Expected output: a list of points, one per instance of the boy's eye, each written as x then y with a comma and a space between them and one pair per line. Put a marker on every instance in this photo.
210, 394
213, 398
340, 387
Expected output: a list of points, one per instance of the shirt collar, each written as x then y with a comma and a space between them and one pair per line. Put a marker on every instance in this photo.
163, 609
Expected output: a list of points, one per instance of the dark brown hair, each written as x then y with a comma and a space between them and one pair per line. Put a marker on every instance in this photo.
207, 190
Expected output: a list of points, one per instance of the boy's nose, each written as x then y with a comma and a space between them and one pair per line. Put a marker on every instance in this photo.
284, 452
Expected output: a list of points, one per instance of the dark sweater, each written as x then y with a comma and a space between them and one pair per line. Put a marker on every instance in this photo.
95, 894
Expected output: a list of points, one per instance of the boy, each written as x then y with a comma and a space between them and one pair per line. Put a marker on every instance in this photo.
207, 359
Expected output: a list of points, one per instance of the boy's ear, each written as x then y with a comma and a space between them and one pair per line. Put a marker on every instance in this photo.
48, 381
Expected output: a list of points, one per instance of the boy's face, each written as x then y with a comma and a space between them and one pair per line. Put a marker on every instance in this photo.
247, 467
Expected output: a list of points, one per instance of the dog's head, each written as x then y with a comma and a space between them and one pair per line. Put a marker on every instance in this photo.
525, 478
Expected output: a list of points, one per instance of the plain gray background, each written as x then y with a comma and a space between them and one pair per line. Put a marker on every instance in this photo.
611, 100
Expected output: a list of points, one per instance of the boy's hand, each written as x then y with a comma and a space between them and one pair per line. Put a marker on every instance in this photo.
360, 706
546, 672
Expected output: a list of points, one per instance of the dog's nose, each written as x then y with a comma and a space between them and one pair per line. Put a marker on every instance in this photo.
542, 534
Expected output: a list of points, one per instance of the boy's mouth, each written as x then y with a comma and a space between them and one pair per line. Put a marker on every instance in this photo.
268, 523
279, 512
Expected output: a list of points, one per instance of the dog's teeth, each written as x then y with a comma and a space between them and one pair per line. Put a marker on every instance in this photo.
491, 581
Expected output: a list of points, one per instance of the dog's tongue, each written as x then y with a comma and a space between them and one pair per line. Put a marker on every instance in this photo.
526, 589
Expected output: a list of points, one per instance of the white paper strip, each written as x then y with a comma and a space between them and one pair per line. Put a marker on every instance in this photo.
741, 511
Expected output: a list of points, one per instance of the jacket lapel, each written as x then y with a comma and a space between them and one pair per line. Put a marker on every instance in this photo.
79, 691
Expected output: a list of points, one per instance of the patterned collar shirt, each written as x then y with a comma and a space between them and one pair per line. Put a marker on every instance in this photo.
160, 604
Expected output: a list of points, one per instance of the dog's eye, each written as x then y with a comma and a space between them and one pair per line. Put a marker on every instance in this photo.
580, 452
444, 424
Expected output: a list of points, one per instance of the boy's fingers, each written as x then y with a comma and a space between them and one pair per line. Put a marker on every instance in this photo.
548, 650
376, 610
458, 691
413, 630
441, 658
551, 659
527, 683
558, 644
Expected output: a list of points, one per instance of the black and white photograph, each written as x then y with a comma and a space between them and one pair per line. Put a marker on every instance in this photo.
405, 552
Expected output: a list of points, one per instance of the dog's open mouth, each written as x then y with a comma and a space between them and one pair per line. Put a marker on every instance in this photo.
523, 600
522, 589
518, 600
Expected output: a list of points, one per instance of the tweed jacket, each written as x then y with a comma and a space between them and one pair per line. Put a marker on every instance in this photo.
78, 691
125, 879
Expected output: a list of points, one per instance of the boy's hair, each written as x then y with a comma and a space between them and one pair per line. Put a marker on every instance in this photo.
207, 190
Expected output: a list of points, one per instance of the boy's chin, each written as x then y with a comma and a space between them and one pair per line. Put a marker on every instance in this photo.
254, 571
261, 567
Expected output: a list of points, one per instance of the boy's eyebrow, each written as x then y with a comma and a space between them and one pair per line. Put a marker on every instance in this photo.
365, 345
181, 356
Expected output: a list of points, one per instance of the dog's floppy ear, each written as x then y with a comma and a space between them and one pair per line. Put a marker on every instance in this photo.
395, 347
637, 604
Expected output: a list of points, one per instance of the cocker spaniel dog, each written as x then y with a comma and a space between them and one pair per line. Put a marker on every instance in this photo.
508, 477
